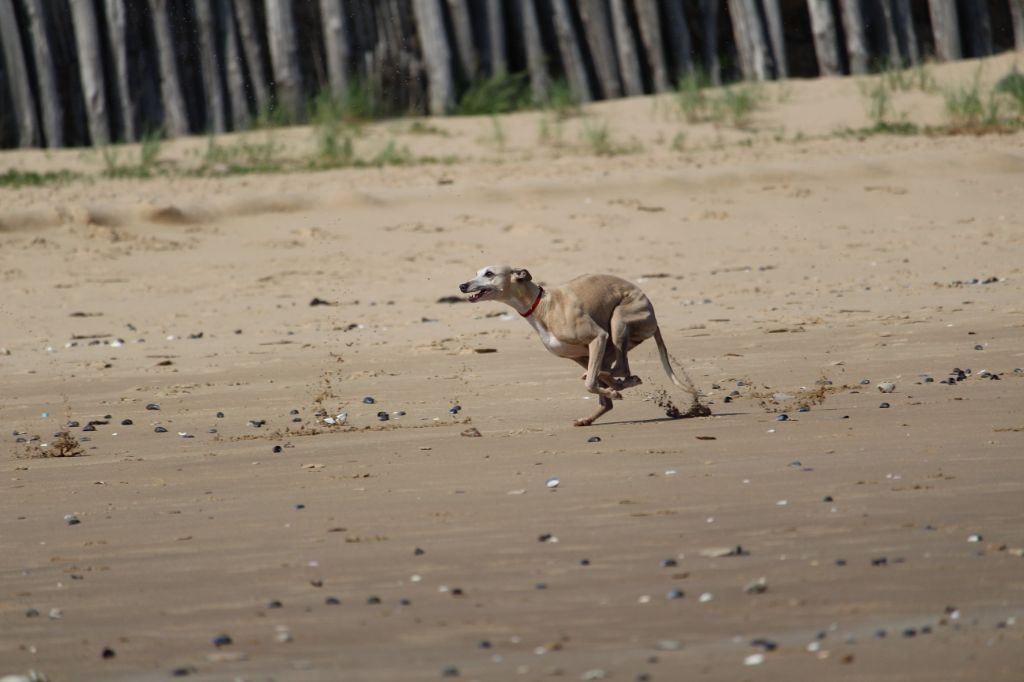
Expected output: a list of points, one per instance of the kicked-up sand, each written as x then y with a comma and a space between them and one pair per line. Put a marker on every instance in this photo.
790, 267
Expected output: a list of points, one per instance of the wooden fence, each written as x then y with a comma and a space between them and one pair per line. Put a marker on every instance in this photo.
78, 72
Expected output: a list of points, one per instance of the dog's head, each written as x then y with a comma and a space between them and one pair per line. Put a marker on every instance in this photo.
494, 282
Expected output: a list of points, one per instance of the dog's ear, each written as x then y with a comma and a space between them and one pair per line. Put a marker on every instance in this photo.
521, 275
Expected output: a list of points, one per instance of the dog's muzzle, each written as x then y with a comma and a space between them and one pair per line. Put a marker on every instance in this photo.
464, 287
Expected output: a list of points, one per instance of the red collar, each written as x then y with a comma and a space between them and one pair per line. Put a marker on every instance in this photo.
536, 302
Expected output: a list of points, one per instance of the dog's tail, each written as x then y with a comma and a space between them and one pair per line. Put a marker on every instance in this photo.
663, 353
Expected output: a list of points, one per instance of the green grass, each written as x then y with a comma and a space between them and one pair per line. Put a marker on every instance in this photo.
498, 133
691, 97
15, 178
878, 103
597, 137
900, 79
495, 95
734, 105
332, 135
149, 154
241, 158
737, 104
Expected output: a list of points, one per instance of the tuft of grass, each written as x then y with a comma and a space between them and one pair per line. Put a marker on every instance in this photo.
64, 445
598, 138
877, 101
244, 157
498, 133
899, 79
679, 142
333, 139
737, 104
1012, 86
149, 153
691, 97
424, 127
495, 95
391, 155
561, 100
18, 178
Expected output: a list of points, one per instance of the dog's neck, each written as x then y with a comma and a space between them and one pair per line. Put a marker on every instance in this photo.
524, 298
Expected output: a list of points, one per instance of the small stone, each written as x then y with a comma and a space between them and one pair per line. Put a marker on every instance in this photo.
419, 551
544, 537
595, 674
471, 432
71, 519
316, 582
183, 672
274, 604
368, 400
766, 644
974, 538
706, 597
978, 346
454, 409
220, 415
222, 640
73, 424
278, 449
840, 562
256, 423
450, 671
668, 645
594, 439
759, 586
886, 387
782, 418
484, 644
674, 594
828, 498
152, 406
884, 406
804, 408
107, 653
865, 382
552, 483
160, 429
32, 613
126, 422
373, 600
300, 506
880, 561
754, 659
669, 563
584, 562
881, 633
909, 632
332, 601
540, 586
293, 412
55, 614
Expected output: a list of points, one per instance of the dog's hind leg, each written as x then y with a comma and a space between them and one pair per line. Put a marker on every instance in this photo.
606, 402
620, 341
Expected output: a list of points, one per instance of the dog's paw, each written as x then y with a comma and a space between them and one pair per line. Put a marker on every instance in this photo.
583, 422
631, 381
614, 395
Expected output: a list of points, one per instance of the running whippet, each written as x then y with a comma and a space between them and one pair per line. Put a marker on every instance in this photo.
593, 320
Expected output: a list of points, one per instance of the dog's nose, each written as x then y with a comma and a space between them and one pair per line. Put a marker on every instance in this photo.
463, 287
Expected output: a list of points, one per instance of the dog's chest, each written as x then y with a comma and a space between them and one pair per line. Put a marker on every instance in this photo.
555, 345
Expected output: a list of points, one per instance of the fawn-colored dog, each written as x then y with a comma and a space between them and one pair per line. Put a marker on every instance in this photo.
594, 320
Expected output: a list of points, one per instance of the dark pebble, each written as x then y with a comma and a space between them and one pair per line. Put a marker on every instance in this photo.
643, 677
296, 420
257, 423
383, 416
540, 586
865, 382
294, 412
220, 415
455, 409
766, 644
160, 429
978, 346
929, 380
183, 672
277, 449
782, 418
108, 653
211, 430
669, 563
316, 582
910, 632
21, 439
88, 427
450, 671
72, 520
152, 406
584, 562
419, 551
594, 439
222, 640
32, 613
73, 424
840, 562
332, 601
373, 600
484, 644
827, 498
274, 604
126, 422
544, 537
300, 506
457, 592
880, 633
884, 406
368, 400
674, 594
405, 602
804, 408
880, 561
726, 399
927, 629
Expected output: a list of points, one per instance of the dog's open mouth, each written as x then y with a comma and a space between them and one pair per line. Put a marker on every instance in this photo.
477, 295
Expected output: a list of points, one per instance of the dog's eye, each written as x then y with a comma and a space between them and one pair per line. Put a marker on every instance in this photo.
488, 274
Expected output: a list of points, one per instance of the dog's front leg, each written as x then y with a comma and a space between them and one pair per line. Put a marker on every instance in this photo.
596, 352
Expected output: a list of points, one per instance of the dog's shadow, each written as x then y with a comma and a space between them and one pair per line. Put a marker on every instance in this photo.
658, 420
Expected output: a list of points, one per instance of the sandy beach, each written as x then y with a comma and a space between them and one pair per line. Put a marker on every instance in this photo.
790, 266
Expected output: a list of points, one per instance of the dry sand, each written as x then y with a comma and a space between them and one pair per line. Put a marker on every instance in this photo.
775, 265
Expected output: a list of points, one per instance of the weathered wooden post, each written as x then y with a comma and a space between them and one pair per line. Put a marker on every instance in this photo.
625, 48
175, 118
681, 47
709, 12
233, 66
945, 29
496, 38
114, 10
536, 63
650, 34
856, 41
248, 32
1017, 17
907, 32
49, 98
749, 34
90, 66
596, 25
569, 48
336, 46
741, 36
979, 27
462, 27
825, 41
216, 120
284, 57
436, 55
17, 75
